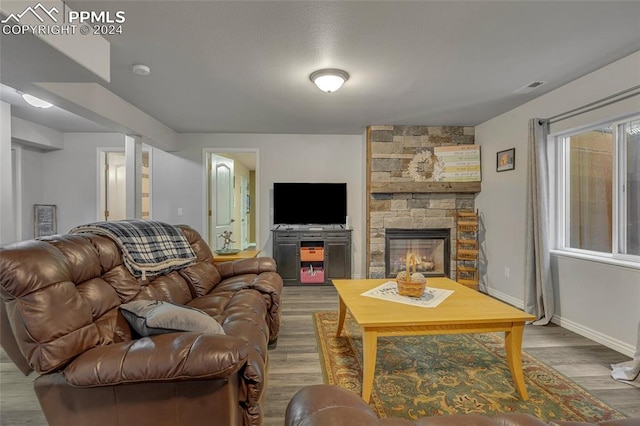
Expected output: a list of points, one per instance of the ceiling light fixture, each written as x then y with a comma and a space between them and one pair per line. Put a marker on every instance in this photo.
35, 102
141, 69
329, 79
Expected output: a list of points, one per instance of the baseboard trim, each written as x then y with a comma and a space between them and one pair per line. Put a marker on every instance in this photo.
596, 336
506, 298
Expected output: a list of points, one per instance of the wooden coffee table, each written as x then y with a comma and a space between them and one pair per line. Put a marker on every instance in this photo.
465, 311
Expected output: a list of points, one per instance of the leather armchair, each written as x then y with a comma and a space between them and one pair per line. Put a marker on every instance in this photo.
332, 405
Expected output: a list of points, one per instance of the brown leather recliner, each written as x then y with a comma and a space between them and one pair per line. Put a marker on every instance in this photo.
60, 317
320, 405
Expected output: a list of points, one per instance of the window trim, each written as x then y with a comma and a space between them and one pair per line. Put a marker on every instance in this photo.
598, 257
560, 203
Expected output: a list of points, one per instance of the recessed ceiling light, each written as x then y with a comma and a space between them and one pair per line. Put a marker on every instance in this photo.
141, 69
329, 79
35, 102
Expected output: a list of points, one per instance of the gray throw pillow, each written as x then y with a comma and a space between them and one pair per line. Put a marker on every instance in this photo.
150, 317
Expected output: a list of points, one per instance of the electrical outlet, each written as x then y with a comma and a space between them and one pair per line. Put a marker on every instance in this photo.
179, 211
506, 271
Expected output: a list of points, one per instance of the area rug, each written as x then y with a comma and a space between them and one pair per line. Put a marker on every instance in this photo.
418, 376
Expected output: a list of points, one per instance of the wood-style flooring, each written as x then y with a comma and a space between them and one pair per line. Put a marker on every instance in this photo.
294, 363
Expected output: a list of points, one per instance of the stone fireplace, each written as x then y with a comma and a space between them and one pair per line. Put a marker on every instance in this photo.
395, 201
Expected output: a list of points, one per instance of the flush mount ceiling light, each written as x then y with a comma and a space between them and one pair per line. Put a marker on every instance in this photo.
141, 69
329, 79
35, 102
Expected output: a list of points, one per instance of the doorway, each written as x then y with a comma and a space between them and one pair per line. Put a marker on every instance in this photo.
112, 172
231, 198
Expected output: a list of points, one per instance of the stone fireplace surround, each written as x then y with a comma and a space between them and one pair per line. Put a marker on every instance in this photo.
396, 201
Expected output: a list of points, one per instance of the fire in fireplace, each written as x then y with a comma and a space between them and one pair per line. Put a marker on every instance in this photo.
431, 248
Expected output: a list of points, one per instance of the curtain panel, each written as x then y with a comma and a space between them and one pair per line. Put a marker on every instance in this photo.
539, 293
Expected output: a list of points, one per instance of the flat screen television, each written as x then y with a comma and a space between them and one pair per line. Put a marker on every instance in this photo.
309, 203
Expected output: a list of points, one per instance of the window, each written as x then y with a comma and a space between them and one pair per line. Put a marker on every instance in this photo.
629, 232
600, 190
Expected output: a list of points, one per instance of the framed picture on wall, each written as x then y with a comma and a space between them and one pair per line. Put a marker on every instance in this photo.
506, 160
45, 221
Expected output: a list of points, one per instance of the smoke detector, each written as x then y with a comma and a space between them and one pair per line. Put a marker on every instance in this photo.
141, 69
529, 87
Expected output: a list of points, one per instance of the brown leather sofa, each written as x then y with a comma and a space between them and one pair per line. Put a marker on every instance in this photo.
331, 405
60, 317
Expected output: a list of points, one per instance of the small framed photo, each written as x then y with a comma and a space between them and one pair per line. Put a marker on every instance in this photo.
45, 221
506, 160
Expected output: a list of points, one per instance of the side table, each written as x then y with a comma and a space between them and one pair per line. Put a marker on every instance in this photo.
244, 254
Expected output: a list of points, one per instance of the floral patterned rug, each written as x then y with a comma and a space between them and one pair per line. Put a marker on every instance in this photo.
419, 376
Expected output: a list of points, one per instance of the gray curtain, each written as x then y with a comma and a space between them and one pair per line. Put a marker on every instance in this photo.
629, 371
538, 292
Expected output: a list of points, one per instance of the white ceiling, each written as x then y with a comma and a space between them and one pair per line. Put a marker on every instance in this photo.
243, 66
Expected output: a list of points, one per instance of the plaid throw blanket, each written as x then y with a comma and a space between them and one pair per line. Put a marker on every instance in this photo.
148, 247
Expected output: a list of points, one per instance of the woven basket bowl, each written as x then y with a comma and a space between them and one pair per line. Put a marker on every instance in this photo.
410, 289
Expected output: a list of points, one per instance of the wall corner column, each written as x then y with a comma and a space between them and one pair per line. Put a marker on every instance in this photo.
7, 207
133, 159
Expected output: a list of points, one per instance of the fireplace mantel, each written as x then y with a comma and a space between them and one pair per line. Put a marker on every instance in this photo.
423, 187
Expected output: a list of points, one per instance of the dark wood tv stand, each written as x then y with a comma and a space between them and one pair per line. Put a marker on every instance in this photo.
334, 240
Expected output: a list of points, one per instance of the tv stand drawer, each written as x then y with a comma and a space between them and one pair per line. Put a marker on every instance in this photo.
311, 235
334, 235
286, 235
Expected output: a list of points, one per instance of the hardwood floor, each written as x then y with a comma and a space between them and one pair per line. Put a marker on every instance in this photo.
295, 363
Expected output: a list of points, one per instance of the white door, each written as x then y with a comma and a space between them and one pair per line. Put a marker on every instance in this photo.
114, 202
221, 201
244, 212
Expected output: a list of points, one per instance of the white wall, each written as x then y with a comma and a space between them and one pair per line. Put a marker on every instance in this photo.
32, 182
30, 140
281, 158
596, 300
69, 177
177, 181
7, 220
